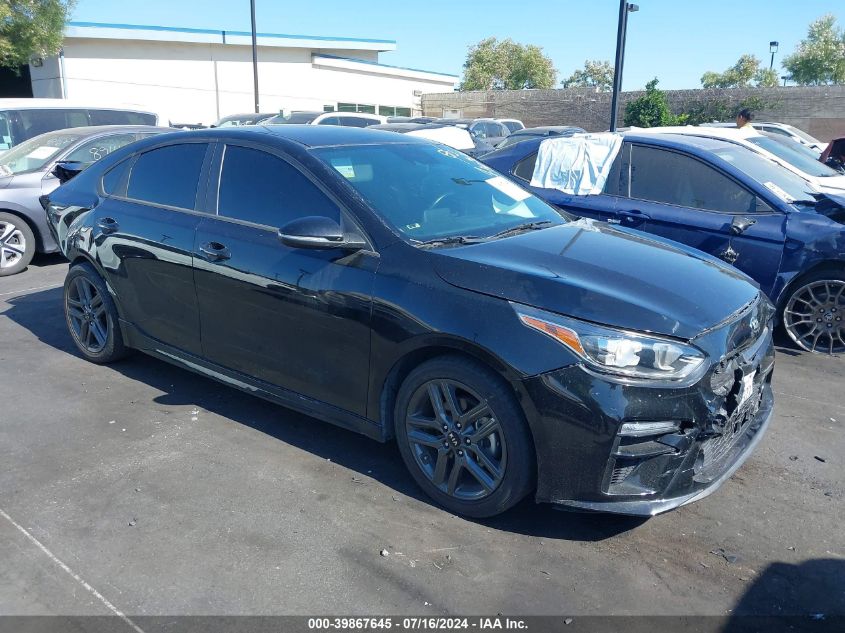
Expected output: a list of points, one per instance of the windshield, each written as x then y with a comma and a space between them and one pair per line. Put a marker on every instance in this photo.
429, 192
792, 156
33, 154
779, 180
6, 140
239, 120
293, 118
812, 140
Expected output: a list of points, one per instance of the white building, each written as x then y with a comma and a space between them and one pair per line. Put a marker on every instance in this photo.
199, 75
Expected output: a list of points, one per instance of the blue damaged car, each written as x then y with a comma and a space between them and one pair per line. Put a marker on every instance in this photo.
729, 202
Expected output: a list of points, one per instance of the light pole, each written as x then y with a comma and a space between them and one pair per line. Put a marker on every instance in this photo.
254, 54
773, 48
624, 9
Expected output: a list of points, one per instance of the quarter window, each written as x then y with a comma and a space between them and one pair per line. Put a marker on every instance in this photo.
168, 175
671, 178
258, 187
525, 168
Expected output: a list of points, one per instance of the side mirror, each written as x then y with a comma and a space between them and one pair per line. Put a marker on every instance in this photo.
740, 225
318, 232
66, 170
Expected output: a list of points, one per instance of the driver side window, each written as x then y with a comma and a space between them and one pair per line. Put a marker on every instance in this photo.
668, 177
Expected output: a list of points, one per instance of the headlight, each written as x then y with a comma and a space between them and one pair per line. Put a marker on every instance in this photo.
615, 351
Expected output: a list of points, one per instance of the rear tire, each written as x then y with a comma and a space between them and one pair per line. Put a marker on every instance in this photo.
17, 244
91, 316
463, 437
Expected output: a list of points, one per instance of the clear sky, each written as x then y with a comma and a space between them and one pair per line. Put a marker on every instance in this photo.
675, 40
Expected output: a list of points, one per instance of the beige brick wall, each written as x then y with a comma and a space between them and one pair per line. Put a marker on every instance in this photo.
820, 110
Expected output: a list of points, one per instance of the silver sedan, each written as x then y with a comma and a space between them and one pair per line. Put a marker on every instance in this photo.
26, 173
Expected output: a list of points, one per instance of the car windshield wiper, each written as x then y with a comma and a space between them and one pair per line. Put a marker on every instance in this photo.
451, 241
520, 228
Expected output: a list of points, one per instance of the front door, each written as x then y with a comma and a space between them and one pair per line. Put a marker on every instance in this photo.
682, 198
295, 318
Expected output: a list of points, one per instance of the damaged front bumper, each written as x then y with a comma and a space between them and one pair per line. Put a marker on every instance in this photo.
688, 489
640, 449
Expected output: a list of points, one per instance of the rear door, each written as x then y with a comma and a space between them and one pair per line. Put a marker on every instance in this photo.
683, 198
145, 228
599, 207
295, 318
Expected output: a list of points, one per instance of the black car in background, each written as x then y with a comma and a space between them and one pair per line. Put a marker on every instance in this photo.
401, 289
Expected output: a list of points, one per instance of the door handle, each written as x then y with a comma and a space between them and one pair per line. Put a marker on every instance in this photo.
634, 216
108, 225
215, 251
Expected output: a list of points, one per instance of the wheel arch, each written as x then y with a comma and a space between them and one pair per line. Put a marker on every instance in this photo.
404, 364
81, 257
833, 265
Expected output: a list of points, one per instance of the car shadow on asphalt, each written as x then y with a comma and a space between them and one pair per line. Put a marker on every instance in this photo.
798, 597
44, 260
41, 314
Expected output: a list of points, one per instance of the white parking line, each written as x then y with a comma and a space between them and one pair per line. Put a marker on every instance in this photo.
18, 293
73, 575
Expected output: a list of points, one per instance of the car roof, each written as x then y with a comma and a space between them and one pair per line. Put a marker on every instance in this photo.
93, 130
680, 141
39, 103
531, 131
323, 135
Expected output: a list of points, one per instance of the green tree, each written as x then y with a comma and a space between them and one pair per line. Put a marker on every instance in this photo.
746, 70
507, 65
650, 110
31, 27
820, 57
595, 74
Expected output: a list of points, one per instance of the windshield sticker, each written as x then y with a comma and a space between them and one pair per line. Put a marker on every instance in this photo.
508, 188
45, 151
345, 168
780, 193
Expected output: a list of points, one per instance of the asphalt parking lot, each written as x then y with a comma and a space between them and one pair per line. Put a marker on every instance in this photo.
156, 491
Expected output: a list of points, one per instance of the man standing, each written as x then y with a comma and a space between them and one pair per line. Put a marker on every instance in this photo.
743, 119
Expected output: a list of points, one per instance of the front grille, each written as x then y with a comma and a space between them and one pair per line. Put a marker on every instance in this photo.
715, 448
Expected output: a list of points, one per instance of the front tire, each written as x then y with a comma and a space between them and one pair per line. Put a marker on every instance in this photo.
814, 314
463, 437
17, 244
91, 316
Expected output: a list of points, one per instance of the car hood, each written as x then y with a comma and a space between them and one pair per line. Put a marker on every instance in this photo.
591, 271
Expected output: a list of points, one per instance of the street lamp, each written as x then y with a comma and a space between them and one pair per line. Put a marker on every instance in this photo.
624, 9
773, 48
254, 54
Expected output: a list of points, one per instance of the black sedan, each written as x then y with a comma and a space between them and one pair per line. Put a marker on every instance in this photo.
401, 289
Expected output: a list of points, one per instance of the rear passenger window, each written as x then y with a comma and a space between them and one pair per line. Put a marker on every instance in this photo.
168, 175
120, 117
525, 168
663, 176
258, 187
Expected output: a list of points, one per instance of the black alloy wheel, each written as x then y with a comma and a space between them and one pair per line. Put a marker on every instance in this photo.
91, 315
463, 437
